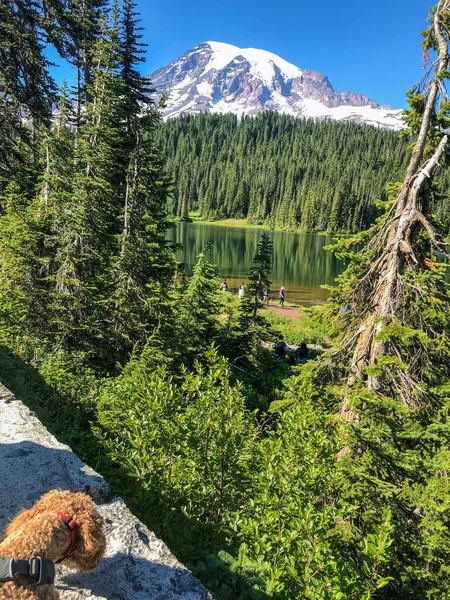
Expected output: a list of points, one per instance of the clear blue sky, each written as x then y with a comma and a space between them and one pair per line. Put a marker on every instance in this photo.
370, 47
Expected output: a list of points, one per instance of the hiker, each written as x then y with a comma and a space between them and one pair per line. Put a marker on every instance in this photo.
301, 354
266, 296
280, 349
241, 291
224, 285
281, 296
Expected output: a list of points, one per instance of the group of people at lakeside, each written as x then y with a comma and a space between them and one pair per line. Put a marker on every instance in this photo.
266, 292
301, 352
281, 348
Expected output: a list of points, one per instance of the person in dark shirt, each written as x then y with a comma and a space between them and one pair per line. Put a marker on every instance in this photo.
301, 354
280, 349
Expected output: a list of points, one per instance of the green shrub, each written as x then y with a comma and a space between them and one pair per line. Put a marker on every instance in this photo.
313, 327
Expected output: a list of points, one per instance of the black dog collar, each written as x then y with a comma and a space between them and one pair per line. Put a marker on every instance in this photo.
39, 570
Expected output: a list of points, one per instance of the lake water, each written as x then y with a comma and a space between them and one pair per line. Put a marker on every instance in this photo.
300, 263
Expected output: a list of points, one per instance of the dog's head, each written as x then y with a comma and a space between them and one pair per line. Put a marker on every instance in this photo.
90, 541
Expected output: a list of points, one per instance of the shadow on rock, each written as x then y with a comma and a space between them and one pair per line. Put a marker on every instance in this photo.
28, 470
126, 577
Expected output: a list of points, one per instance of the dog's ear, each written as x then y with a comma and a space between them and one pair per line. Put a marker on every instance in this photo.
90, 543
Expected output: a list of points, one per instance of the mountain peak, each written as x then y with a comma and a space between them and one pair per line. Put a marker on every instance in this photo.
262, 61
217, 77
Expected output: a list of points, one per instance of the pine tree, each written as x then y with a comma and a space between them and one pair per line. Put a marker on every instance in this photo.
144, 267
196, 322
252, 327
389, 376
77, 40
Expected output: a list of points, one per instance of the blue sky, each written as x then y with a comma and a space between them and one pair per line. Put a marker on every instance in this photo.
368, 47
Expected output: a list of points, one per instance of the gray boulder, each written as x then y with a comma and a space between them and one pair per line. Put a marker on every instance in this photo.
137, 565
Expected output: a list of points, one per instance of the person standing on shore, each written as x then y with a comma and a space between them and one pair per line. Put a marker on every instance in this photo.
281, 296
241, 291
266, 296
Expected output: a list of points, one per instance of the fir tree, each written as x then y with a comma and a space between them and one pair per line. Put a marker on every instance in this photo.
137, 89
144, 267
269, 174
252, 326
258, 277
389, 376
196, 317
82, 27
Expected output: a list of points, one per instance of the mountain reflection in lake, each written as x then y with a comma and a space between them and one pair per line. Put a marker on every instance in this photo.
300, 263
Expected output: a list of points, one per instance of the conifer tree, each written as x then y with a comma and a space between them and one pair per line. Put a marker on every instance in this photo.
56, 218
75, 214
77, 40
226, 169
388, 378
86, 228
20, 242
394, 276
25, 79
144, 267
99, 265
196, 321
252, 327
137, 89
27, 91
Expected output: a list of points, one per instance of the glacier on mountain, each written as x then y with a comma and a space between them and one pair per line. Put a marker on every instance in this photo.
215, 77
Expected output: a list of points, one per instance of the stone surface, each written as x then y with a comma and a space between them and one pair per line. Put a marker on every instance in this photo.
137, 565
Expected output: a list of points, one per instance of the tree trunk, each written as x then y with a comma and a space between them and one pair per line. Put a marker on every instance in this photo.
387, 270
377, 295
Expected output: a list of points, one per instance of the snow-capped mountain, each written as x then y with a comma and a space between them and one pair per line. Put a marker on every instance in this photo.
215, 77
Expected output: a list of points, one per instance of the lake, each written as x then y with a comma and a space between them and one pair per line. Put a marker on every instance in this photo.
300, 263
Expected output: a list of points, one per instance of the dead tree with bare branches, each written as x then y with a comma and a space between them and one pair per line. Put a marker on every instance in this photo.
393, 277
387, 382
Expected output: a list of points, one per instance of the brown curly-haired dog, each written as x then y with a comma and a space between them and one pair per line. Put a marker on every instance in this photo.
41, 531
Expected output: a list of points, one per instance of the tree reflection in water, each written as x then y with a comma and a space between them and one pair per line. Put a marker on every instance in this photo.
300, 262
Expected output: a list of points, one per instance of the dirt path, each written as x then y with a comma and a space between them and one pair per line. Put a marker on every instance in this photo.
290, 312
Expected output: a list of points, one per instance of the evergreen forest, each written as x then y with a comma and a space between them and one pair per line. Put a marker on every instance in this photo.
323, 480
284, 172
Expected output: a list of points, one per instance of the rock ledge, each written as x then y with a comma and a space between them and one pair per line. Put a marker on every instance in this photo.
137, 565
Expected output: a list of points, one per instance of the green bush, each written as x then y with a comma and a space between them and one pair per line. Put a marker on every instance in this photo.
313, 327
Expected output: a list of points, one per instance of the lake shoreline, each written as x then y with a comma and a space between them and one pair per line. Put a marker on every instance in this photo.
242, 224
300, 263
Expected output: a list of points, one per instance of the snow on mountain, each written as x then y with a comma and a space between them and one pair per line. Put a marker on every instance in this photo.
262, 62
215, 77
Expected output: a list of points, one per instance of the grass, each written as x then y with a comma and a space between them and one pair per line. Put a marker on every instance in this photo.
312, 327
196, 217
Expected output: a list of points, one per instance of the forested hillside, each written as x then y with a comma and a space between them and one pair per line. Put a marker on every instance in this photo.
282, 171
324, 478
